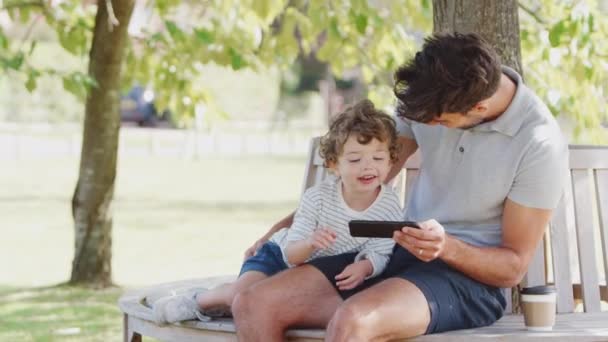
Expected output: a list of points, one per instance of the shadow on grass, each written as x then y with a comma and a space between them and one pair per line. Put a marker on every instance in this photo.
60, 312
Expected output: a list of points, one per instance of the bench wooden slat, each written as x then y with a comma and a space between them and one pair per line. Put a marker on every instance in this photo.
601, 191
398, 184
588, 157
536, 269
581, 182
509, 298
561, 255
310, 170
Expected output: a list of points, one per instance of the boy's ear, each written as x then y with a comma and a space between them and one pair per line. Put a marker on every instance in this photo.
333, 167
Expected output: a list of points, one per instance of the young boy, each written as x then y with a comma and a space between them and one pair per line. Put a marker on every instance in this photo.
359, 148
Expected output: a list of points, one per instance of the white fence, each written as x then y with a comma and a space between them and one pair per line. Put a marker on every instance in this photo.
232, 139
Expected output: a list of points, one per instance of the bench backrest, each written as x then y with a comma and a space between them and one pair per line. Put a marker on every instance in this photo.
575, 241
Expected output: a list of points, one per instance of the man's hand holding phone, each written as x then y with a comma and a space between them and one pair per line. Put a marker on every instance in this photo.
427, 243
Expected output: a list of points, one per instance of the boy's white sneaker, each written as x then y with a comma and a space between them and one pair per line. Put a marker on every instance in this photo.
178, 308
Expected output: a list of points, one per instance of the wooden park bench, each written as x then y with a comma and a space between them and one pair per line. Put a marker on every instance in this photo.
571, 256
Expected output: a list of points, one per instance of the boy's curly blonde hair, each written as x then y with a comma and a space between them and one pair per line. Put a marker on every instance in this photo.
364, 121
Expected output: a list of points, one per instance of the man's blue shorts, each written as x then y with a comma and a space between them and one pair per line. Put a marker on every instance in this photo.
268, 260
455, 300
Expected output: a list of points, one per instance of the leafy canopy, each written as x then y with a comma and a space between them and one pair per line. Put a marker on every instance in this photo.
564, 46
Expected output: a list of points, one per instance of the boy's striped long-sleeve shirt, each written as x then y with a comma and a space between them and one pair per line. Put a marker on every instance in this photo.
323, 206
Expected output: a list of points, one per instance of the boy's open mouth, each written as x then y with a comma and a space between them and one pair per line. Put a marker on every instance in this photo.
366, 179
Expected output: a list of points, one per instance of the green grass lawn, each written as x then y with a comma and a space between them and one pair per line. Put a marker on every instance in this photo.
173, 219
59, 313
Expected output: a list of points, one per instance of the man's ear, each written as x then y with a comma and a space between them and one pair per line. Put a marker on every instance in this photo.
480, 107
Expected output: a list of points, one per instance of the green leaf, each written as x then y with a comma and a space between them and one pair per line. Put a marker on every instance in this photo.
204, 36
261, 8
174, 31
361, 23
30, 84
16, 62
3, 40
32, 47
236, 60
72, 86
334, 30
555, 33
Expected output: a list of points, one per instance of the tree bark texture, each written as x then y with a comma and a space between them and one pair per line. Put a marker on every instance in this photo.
497, 21
91, 203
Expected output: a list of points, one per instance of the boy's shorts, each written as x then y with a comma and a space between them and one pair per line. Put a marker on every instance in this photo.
455, 300
268, 260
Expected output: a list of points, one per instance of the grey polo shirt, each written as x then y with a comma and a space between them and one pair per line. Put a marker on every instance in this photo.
466, 175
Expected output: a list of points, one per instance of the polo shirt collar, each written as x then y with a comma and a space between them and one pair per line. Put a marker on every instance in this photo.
510, 120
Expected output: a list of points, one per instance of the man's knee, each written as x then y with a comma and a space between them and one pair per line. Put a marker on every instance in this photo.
252, 300
243, 303
352, 323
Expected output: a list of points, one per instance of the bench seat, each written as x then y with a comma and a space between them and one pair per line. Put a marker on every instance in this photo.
138, 318
570, 257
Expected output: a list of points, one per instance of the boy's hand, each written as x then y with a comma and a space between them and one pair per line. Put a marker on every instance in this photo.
354, 274
322, 238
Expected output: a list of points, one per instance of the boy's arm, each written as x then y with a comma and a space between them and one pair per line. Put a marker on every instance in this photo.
297, 252
287, 221
378, 252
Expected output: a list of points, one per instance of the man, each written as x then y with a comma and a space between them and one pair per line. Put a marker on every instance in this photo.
493, 168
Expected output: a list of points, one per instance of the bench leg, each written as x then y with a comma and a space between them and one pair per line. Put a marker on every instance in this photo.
129, 334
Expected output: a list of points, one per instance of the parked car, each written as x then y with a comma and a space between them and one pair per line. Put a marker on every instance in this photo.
138, 107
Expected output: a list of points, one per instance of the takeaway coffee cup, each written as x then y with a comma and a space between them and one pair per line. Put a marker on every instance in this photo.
539, 307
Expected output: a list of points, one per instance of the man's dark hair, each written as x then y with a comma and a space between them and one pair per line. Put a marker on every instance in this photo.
451, 74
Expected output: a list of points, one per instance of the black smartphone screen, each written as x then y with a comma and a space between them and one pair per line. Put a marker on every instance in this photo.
377, 229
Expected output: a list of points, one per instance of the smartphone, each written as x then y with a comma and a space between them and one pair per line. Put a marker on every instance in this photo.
377, 229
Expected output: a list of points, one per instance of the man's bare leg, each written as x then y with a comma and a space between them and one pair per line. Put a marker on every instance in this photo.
392, 309
223, 295
299, 296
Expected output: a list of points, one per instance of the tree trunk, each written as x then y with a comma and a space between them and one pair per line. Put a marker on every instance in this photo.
497, 21
91, 203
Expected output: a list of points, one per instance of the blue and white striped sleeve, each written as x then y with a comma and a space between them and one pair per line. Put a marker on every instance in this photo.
378, 251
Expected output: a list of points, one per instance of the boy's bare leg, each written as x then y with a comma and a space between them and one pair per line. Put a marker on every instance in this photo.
299, 296
223, 295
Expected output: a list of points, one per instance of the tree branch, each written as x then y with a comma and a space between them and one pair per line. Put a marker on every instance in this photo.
531, 13
8, 5
30, 29
112, 20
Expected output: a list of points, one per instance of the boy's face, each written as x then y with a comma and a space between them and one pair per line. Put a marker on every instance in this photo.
363, 167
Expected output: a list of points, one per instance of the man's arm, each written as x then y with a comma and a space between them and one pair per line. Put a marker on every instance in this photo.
503, 266
407, 148
287, 221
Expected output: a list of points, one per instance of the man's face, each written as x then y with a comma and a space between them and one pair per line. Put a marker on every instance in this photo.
470, 119
457, 120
